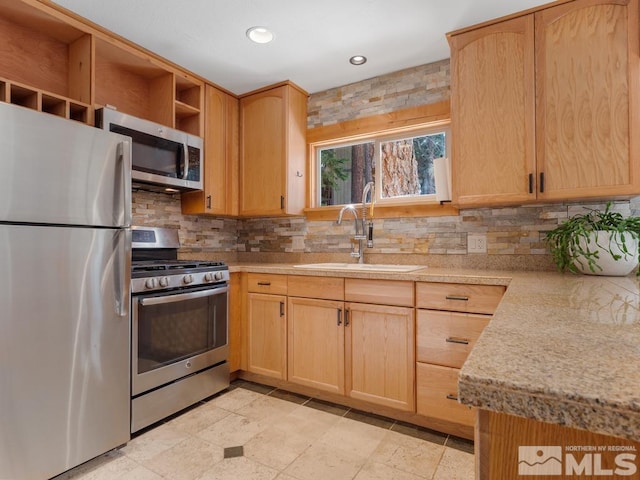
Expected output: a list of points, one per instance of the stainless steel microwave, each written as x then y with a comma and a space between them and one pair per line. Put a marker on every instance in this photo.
162, 158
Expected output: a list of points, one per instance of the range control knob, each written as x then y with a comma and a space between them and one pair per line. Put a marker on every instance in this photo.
151, 283
164, 282
208, 277
187, 279
218, 275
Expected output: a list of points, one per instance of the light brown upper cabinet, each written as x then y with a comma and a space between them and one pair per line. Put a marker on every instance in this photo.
493, 113
543, 105
273, 151
588, 105
220, 194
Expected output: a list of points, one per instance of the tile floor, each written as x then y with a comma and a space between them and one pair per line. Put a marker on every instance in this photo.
256, 432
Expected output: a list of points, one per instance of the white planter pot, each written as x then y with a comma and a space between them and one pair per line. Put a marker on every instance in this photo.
601, 242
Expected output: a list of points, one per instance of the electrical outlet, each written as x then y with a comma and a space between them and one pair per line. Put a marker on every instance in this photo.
476, 243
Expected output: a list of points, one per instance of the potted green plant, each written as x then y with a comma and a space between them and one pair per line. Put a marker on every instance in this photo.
596, 243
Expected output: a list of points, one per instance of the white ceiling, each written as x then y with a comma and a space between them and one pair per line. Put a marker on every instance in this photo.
314, 38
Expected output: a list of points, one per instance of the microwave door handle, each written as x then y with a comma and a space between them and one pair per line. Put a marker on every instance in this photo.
185, 153
182, 296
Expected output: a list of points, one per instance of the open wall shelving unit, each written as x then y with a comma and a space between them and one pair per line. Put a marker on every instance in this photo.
55, 62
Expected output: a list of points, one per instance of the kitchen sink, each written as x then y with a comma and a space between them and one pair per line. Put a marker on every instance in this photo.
361, 267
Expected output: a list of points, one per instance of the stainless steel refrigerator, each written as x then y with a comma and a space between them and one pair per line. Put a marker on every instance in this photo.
65, 209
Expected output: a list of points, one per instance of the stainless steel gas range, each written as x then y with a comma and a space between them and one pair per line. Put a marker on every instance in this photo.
179, 327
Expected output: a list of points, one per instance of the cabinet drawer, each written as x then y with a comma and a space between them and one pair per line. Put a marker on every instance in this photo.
437, 395
446, 338
326, 288
381, 292
267, 283
459, 297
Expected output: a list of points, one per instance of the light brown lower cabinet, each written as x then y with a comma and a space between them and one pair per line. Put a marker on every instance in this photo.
236, 300
449, 320
437, 394
363, 351
316, 344
267, 339
380, 354
327, 337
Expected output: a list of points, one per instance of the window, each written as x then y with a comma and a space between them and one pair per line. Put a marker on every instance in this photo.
400, 163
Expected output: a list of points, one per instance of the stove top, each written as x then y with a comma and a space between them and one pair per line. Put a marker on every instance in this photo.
156, 267
163, 267
156, 275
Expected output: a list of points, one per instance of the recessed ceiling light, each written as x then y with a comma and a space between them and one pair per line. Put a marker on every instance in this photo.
260, 35
358, 60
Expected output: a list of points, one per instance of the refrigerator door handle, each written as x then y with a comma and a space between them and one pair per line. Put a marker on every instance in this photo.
124, 157
121, 273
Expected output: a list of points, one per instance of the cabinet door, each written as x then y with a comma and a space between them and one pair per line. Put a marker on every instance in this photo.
262, 152
493, 113
215, 165
587, 80
316, 344
273, 150
235, 321
266, 336
380, 354
219, 196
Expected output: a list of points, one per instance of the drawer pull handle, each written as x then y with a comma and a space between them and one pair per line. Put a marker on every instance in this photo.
346, 317
461, 341
282, 309
452, 397
264, 284
339, 316
457, 297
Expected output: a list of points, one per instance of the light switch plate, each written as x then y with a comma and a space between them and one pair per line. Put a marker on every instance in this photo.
476, 243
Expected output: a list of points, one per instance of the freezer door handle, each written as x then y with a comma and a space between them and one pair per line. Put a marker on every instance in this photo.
121, 274
124, 157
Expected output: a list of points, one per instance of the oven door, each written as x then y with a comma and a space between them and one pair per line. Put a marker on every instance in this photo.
176, 334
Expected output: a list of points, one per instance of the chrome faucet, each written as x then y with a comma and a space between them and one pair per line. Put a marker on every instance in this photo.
358, 236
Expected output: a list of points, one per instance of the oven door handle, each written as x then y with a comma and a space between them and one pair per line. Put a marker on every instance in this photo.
182, 296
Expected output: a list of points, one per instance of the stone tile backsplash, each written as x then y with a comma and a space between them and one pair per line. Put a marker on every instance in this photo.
197, 233
515, 235
411, 87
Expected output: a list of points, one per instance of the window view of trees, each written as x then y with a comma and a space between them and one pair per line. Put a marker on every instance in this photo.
344, 171
405, 166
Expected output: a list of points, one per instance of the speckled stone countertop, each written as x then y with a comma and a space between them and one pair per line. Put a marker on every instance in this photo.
561, 349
